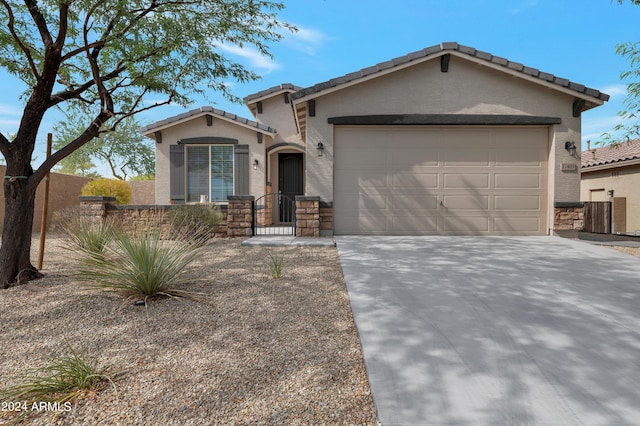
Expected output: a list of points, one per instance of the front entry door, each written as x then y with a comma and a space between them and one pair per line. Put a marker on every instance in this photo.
290, 181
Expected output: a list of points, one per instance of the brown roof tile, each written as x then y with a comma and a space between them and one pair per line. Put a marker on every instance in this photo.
611, 154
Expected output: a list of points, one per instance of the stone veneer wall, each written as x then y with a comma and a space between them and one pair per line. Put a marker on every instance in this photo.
138, 217
240, 216
568, 217
307, 216
326, 218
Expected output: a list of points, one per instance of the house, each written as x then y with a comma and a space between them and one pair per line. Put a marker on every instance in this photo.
445, 140
613, 173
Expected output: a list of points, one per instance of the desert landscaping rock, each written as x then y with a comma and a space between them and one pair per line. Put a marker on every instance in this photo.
250, 350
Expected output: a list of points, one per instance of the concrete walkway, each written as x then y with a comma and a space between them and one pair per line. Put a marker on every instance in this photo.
288, 240
496, 330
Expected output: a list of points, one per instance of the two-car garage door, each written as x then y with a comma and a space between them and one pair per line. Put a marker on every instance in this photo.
416, 180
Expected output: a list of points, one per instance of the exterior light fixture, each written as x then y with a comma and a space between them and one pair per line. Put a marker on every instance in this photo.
571, 147
255, 164
610, 193
320, 149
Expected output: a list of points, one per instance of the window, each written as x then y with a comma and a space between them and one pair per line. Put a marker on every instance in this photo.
209, 172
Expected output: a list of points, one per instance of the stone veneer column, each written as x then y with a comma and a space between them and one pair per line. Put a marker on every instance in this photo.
95, 207
568, 218
307, 216
240, 216
326, 219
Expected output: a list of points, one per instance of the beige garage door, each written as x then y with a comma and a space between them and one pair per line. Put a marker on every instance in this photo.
425, 180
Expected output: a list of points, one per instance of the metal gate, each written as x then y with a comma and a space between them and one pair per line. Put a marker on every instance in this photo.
274, 214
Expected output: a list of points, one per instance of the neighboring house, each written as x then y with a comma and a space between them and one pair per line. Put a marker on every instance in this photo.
445, 140
614, 171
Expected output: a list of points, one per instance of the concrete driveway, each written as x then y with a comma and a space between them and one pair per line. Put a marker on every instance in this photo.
496, 330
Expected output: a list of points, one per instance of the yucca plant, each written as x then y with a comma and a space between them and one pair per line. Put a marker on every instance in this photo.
63, 379
90, 236
140, 265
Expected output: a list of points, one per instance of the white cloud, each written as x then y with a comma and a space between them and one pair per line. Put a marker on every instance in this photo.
306, 40
615, 90
255, 58
10, 110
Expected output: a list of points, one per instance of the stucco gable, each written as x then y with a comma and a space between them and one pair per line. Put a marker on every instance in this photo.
270, 92
592, 97
150, 129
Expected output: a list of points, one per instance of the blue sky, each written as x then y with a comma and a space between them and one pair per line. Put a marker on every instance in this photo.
573, 39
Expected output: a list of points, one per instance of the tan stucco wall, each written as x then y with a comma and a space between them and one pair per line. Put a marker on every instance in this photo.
278, 114
467, 88
64, 191
626, 185
197, 127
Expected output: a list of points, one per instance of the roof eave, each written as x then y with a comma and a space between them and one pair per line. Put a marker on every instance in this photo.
610, 165
512, 69
193, 114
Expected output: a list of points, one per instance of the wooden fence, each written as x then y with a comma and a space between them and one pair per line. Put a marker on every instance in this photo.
597, 217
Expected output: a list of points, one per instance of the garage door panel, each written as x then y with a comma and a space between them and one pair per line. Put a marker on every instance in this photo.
517, 181
517, 202
524, 158
420, 202
466, 202
419, 180
354, 181
466, 224
412, 225
466, 180
514, 225
467, 157
415, 180
410, 159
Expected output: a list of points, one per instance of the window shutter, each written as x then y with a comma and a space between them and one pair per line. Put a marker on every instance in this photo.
176, 173
241, 169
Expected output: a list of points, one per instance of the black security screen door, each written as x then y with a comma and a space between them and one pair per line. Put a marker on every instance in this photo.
290, 180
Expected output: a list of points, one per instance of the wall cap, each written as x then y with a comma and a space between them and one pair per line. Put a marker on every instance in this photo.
240, 197
307, 198
96, 198
568, 204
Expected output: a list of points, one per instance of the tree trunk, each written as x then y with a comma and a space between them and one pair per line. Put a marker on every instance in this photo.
15, 252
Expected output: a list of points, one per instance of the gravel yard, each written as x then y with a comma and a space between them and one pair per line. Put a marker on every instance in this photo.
253, 350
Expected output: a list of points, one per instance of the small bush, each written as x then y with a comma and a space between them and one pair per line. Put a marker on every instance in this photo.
195, 222
63, 379
276, 265
109, 188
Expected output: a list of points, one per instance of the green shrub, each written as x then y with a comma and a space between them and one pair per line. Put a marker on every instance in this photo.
276, 265
109, 188
63, 379
140, 265
195, 222
90, 236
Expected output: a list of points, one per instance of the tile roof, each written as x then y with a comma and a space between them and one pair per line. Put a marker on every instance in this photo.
611, 154
210, 110
444, 47
271, 90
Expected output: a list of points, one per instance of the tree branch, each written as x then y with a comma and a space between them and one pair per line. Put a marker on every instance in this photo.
18, 40
89, 133
40, 22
